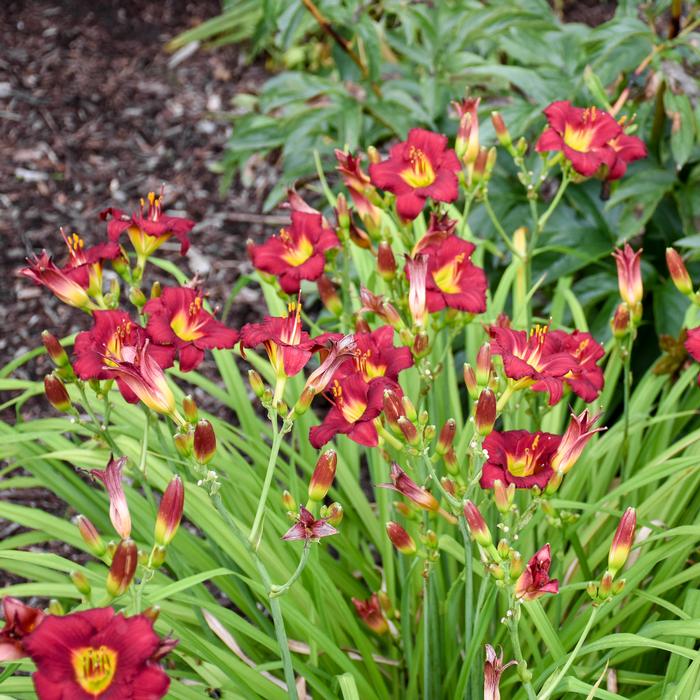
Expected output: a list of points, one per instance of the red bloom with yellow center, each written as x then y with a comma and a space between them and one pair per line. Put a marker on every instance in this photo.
583, 135
99, 350
534, 582
627, 149
288, 347
422, 166
356, 404
359, 186
298, 252
375, 356
585, 377
148, 229
177, 320
453, 280
97, 655
520, 458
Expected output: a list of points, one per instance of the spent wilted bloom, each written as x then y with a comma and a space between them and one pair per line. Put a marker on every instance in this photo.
298, 252
579, 431
20, 621
520, 458
148, 228
177, 319
493, 668
422, 166
96, 654
360, 188
309, 528
622, 541
534, 582
371, 613
111, 477
417, 273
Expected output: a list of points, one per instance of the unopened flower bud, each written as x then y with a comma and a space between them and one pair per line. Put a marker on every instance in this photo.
322, 478
373, 155
204, 445
503, 549
421, 345
137, 297
342, 212
393, 409
405, 509
483, 365
157, 557
622, 541
289, 502
80, 582
620, 323
183, 442
90, 536
386, 262
618, 586
477, 525
55, 350
679, 272
170, 512
123, 568
503, 495
605, 587
156, 290
189, 409
501, 130
400, 538
334, 514
152, 613
329, 295
447, 436
409, 409
448, 485
471, 383
56, 607
450, 459
592, 589
485, 412
409, 431
56, 393
256, 383
516, 564
428, 433
554, 483
521, 146
497, 572
429, 539
304, 401
361, 325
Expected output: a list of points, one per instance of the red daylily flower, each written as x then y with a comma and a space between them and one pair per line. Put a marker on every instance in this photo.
375, 356
585, 377
692, 345
177, 319
371, 613
440, 228
97, 655
20, 621
579, 431
355, 406
534, 582
111, 477
359, 185
453, 280
147, 231
298, 253
627, 149
422, 166
583, 135
309, 528
288, 347
520, 458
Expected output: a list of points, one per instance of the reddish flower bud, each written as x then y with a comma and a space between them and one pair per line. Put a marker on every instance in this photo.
123, 568
620, 323
467, 141
450, 458
501, 130
622, 541
605, 587
678, 271
485, 412
421, 345
324, 473
386, 263
189, 408
56, 393
503, 495
409, 431
393, 409
400, 538
55, 350
80, 582
403, 484
629, 275
448, 485
370, 611
329, 295
170, 512
447, 436
483, 365
90, 536
204, 444
477, 525
471, 383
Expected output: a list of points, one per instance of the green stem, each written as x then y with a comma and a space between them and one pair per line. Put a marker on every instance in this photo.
277, 435
95, 420
497, 225
518, 653
627, 387
468, 592
427, 694
276, 591
551, 687
542, 222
